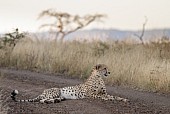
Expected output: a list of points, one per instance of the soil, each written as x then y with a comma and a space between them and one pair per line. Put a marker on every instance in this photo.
30, 84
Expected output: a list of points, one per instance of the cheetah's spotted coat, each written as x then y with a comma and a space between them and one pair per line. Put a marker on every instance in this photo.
94, 87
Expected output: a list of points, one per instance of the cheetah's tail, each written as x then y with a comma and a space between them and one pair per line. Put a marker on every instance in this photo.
15, 92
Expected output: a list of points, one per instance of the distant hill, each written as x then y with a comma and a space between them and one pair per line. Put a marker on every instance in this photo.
117, 34
104, 34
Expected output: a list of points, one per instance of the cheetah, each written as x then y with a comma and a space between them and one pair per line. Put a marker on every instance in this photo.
94, 87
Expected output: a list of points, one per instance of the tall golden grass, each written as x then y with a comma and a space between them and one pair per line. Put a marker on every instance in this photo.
134, 65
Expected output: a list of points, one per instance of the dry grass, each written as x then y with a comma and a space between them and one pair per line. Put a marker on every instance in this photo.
3, 105
141, 66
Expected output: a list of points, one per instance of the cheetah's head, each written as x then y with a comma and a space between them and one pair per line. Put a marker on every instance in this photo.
101, 70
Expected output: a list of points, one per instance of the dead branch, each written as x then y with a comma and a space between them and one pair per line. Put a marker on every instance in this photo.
143, 31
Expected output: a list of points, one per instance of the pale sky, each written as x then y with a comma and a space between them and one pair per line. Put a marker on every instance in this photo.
122, 14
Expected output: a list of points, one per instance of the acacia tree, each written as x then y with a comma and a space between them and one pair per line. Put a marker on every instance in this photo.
66, 23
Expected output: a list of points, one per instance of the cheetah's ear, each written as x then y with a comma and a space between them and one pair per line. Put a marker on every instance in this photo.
98, 66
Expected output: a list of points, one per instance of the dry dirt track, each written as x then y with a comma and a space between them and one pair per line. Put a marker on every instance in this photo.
30, 84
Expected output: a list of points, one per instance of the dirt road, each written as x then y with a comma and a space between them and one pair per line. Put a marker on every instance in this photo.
30, 84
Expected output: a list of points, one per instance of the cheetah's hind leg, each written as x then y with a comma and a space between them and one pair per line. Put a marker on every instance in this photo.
55, 100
